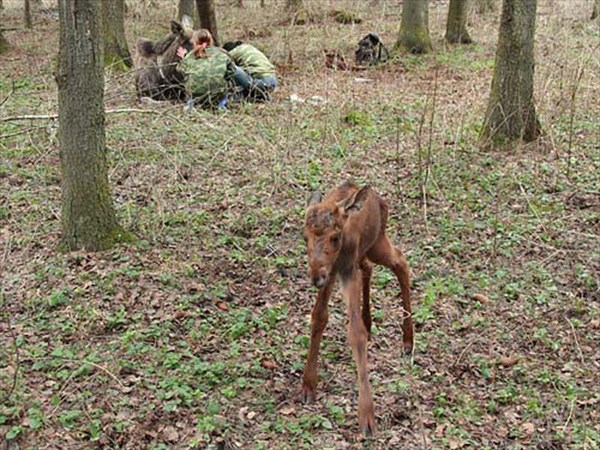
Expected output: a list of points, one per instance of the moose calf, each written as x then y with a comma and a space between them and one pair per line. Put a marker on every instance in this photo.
345, 234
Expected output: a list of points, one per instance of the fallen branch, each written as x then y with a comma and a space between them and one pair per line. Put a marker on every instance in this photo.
55, 116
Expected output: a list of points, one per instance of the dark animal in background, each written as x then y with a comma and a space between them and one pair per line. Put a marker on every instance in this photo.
371, 51
345, 235
156, 74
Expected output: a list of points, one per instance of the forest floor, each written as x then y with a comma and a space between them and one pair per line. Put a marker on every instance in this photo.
195, 336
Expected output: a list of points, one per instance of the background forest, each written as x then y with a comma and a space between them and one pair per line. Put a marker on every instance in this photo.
194, 335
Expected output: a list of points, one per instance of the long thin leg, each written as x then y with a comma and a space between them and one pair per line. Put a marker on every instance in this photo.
319, 318
384, 253
357, 338
366, 269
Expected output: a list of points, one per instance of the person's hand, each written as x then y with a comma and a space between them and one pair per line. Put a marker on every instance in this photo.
181, 52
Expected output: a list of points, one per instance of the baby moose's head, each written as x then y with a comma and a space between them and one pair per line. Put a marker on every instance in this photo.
324, 232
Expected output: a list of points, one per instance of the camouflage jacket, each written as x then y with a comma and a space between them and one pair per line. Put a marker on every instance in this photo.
209, 78
253, 61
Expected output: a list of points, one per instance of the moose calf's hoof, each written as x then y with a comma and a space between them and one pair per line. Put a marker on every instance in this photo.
308, 395
367, 427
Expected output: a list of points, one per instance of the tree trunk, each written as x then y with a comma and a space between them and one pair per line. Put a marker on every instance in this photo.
4, 45
116, 51
294, 5
511, 112
414, 28
456, 26
208, 18
27, 8
188, 8
88, 216
485, 6
596, 9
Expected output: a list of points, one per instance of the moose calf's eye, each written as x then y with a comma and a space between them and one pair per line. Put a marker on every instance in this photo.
335, 239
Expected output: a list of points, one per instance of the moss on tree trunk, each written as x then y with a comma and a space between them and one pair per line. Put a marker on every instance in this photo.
88, 216
510, 113
456, 25
414, 27
116, 51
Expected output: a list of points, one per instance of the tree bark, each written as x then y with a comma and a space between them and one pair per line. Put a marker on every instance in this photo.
294, 5
485, 6
88, 216
116, 51
456, 25
27, 12
510, 113
208, 18
4, 45
414, 27
596, 9
188, 8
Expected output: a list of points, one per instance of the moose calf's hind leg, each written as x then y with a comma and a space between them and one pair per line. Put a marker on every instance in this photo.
366, 269
384, 253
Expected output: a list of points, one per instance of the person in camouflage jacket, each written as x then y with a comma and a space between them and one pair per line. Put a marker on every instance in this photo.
209, 71
254, 73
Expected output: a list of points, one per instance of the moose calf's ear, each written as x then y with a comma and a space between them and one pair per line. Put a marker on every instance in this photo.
315, 198
355, 201
187, 22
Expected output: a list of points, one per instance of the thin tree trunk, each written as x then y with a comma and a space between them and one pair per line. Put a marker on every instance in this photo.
596, 9
4, 45
27, 7
208, 18
88, 216
414, 27
116, 50
456, 25
511, 112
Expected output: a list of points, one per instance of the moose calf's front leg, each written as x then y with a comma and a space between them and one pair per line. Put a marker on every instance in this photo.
319, 319
357, 338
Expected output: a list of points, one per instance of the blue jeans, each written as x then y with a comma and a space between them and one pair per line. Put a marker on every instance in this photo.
254, 88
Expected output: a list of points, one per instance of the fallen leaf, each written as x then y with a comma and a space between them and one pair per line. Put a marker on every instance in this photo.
508, 361
270, 365
481, 298
170, 433
528, 428
287, 410
222, 306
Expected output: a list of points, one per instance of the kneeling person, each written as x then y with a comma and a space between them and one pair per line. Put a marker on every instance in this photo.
209, 71
255, 73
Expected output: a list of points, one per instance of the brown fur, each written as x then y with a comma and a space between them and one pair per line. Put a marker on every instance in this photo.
345, 235
156, 74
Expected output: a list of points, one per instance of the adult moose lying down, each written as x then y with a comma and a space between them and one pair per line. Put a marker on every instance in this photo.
156, 74
345, 235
